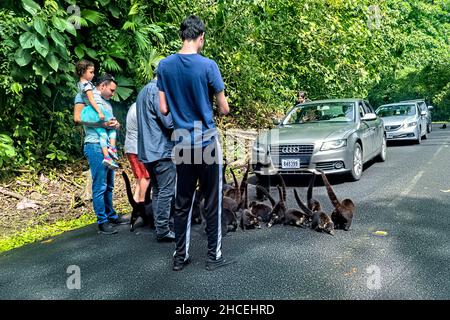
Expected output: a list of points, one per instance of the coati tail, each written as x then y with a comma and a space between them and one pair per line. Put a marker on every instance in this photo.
302, 206
129, 192
264, 190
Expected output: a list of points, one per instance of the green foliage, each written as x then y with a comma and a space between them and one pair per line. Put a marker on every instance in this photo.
266, 50
7, 151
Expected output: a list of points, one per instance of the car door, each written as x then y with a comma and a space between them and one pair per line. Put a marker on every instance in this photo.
422, 120
366, 132
423, 107
377, 129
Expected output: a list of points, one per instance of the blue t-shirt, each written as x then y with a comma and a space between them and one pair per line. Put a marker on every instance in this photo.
190, 82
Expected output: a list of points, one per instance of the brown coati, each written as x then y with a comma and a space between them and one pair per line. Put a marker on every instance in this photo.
279, 209
143, 210
233, 191
226, 187
320, 221
243, 184
248, 220
277, 215
260, 209
237, 191
344, 210
291, 216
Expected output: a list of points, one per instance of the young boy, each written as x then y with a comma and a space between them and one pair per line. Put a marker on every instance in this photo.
94, 112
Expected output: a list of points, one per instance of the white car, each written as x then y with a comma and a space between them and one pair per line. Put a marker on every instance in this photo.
404, 121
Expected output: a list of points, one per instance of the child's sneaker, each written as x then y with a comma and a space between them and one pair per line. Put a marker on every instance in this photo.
110, 163
113, 152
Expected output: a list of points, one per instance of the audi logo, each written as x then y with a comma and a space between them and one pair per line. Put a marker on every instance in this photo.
290, 150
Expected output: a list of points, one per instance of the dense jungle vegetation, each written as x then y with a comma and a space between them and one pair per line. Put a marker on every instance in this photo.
383, 50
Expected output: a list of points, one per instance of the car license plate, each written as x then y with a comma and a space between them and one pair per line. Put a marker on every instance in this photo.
290, 163
389, 136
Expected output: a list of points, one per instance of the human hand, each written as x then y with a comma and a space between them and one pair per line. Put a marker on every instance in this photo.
101, 116
113, 123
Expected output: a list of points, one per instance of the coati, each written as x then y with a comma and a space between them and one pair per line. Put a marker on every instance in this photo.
260, 209
287, 217
248, 220
143, 210
279, 209
237, 191
320, 221
233, 191
344, 210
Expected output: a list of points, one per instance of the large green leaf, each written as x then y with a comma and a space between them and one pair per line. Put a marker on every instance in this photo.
111, 65
52, 61
27, 40
93, 16
70, 28
22, 57
79, 52
122, 93
57, 38
40, 26
32, 7
59, 23
41, 45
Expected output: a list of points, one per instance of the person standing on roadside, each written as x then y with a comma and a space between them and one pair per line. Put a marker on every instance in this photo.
155, 151
102, 176
188, 83
131, 151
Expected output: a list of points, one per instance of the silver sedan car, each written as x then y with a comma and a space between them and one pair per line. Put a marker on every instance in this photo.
404, 121
336, 136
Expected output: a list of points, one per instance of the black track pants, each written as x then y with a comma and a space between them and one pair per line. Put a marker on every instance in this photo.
209, 177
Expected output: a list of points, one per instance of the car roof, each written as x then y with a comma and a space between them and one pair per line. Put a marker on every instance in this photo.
414, 100
397, 103
334, 100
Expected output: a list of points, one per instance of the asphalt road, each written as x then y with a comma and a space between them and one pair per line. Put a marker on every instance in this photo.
403, 196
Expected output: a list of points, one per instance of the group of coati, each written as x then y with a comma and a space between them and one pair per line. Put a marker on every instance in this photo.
238, 212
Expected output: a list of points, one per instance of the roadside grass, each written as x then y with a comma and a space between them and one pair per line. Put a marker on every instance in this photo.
45, 231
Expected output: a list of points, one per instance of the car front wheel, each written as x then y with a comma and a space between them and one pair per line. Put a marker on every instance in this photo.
357, 167
419, 136
382, 155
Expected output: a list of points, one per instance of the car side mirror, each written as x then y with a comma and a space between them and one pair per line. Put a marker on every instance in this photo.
430, 107
369, 117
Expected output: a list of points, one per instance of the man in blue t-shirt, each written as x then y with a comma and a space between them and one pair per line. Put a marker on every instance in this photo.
188, 84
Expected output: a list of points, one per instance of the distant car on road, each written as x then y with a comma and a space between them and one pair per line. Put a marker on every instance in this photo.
337, 136
404, 121
424, 107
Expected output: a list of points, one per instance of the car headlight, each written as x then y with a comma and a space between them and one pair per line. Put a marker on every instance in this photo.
410, 124
335, 144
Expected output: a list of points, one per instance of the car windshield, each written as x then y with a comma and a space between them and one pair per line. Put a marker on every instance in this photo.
321, 112
396, 110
